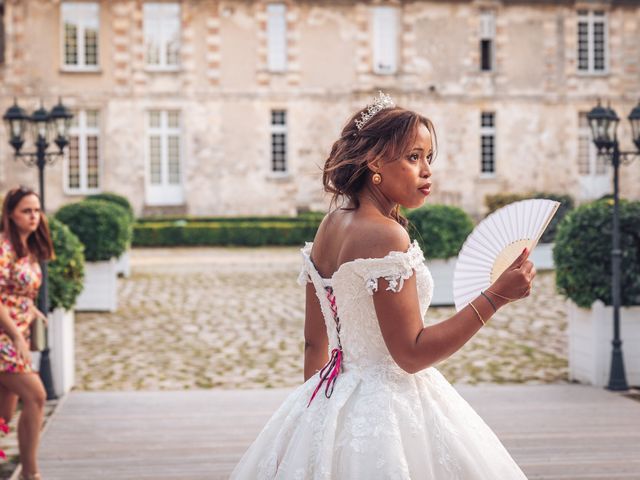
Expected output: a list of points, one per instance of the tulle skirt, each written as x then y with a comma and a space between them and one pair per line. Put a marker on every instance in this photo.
378, 425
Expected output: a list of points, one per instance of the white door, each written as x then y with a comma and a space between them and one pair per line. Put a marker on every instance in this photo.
164, 185
595, 178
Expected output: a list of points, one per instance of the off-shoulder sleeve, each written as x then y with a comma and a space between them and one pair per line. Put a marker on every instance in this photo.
303, 277
395, 268
6, 261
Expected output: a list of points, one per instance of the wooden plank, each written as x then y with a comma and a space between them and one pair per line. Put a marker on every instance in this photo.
553, 432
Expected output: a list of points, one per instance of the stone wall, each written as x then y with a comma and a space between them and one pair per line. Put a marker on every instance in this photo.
225, 93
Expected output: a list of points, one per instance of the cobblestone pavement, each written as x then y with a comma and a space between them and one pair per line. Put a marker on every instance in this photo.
233, 318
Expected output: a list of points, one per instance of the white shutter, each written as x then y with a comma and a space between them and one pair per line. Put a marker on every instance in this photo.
487, 25
385, 40
277, 37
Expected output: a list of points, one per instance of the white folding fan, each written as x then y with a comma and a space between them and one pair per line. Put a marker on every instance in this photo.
496, 242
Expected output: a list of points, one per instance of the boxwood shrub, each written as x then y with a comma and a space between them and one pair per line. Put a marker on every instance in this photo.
440, 229
582, 253
117, 199
66, 272
245, 233
103, 227
499, 200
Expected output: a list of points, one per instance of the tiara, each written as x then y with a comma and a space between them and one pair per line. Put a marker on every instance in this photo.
380, 102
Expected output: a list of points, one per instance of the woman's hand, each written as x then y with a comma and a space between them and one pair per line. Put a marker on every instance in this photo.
37, 313
516, 281
22, 349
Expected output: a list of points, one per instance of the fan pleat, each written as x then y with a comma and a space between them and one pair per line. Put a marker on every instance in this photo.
536, 215
475, 256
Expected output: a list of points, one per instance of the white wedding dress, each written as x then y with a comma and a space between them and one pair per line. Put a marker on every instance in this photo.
379, 422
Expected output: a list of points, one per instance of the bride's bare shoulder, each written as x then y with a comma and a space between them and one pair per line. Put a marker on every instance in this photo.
374, 238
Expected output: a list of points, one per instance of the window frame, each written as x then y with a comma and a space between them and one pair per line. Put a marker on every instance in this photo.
164, 131
380, 50
81, 24
279, 129
162, 11
488, 131
594, 161
82, 131
277, 46
488, 34
591, 17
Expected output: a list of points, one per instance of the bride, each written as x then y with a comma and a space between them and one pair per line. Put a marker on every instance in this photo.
373, 406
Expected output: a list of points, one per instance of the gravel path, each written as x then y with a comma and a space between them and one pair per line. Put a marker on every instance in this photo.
233, 318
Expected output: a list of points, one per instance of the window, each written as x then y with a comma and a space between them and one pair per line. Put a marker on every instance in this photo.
82, 162
164, 147
277, 37
589, 162
80, 26
162, 35
592, 42
487, 143
279, 141
487, 36
385, 40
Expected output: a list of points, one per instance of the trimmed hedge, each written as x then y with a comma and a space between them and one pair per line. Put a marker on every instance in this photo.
103, 227
117, 199
66, 272
499, 200
181, 219
442, 229
237, 233
582, 253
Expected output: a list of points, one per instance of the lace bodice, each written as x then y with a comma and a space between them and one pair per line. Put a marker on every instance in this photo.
353, 285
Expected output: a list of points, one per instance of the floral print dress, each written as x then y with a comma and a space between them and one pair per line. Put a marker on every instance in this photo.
20, 280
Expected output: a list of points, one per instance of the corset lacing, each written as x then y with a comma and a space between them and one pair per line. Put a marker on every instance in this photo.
333, 367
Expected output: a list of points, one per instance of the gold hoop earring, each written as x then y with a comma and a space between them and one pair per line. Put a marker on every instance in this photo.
376, 178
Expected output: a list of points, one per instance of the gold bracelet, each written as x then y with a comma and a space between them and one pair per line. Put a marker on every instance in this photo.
501, 296
477, 313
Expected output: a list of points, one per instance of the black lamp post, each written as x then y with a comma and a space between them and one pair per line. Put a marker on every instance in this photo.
603, 122
44, 125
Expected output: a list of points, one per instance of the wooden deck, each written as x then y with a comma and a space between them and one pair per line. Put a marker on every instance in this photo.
553, 431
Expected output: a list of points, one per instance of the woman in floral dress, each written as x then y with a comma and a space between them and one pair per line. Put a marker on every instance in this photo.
24, 241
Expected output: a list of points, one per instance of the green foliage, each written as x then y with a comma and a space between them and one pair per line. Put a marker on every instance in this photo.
499, 200
66, 272
117, 199
441, 229
582, 253
103, 227
168, 219
237, 233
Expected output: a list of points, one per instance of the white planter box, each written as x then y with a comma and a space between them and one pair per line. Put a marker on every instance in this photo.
61, 342
123, 264
442, 273
62, 350
590, 334
542, 256
100, 292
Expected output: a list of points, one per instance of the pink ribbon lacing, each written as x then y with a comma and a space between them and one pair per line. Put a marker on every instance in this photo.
329, 373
